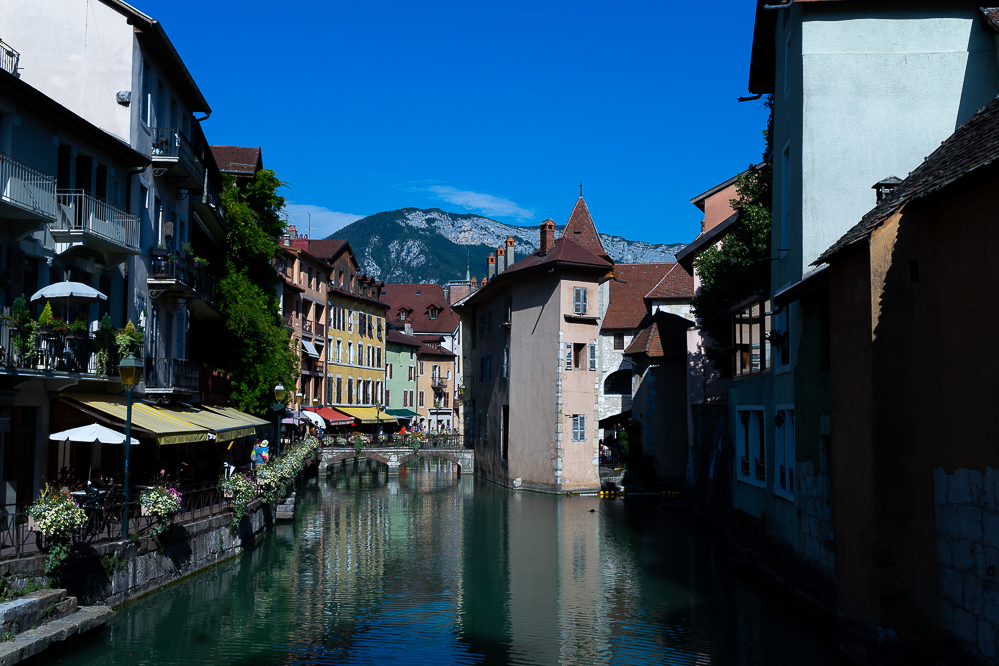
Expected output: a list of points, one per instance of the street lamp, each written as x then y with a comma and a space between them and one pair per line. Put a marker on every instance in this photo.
298, 407
278, 407
130, 372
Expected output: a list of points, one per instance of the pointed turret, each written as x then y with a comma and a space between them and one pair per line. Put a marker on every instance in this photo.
581, 230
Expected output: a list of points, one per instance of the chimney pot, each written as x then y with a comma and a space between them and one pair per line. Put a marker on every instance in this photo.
490, 266
547, 235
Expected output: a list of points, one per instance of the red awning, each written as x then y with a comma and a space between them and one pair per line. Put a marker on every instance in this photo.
333, 417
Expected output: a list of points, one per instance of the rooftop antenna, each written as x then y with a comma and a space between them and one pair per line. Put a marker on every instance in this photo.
580, 189
310, 217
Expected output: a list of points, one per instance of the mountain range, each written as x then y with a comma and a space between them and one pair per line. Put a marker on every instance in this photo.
432, 245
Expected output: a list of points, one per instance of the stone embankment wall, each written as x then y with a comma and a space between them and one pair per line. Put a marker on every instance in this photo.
115, 572
968, 556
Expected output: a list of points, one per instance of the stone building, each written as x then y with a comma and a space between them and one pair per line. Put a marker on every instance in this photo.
530, 359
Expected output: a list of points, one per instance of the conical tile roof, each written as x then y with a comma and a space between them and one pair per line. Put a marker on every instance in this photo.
581, 230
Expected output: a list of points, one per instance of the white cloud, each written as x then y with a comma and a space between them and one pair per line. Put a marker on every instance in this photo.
324, 220
487, 204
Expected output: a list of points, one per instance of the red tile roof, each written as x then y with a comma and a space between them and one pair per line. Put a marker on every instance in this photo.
326, 248
580, 228
241, 160
417, 298
427, 350
677, 283
400, 338
565, 251
665, 335
631, 283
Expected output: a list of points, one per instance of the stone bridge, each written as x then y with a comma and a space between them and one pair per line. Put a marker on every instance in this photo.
396, 456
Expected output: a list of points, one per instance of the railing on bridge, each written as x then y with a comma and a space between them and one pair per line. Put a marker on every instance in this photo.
425, 441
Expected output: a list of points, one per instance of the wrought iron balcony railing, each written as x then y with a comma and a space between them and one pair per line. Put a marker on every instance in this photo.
82, 214
190, 277
9, 58
29, 189
171, 373
170, 145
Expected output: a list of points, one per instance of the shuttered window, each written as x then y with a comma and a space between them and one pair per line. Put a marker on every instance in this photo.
579, 300
568, 356
593, 356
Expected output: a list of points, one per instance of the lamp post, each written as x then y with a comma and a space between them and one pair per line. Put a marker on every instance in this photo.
298, 407
130, 372
278, 406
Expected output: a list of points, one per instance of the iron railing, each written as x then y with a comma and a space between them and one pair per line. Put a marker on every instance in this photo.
427, 441
171, 373
26, 187
192, 275
80, 211
210, 197
50, 351
171, 142
9, 58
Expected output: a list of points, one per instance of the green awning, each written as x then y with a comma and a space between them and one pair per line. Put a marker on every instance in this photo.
401, 413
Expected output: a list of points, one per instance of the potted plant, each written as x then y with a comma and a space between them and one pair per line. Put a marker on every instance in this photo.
161, 503
55, 515
104, 343
128, 339
240, 490
45, 320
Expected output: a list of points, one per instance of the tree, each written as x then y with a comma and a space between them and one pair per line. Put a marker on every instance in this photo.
255, 346
738, 269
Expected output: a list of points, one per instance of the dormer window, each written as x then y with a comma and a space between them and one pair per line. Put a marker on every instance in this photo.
433, 312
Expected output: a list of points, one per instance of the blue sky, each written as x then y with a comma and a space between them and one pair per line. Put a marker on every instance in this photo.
494, 108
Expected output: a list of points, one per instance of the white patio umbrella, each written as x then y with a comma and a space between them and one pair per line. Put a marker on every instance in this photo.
93, 433
315, 418
69, 293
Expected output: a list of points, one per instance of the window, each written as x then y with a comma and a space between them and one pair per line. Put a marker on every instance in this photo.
350, 390
568, 356
784, 451
388, 399
579, 355
506, 362
432, 312
752, 328
388, 370
779, 338
508, 310
593, 356
579, 300
410, 398
484, 370
339, 390
421, 398
619, 341
751, 446
445, 399
618, 383
579, 427
421, 368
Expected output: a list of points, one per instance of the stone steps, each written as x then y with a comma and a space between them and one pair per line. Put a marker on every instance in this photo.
30, 623
33, 641
286, 509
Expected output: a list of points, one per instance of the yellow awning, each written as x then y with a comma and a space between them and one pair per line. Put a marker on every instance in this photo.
226, 429
247, 420
367, 414
166, 427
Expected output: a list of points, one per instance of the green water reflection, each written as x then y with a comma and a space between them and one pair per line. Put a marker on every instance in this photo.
429, 568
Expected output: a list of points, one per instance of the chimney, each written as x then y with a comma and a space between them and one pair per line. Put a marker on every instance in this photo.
884, 187
490, 267
509, 251
484, 280
547, 235
292, 233
500, 259
475, 284
408, 328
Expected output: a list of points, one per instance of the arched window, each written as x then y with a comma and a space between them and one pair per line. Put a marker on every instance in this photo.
618, 383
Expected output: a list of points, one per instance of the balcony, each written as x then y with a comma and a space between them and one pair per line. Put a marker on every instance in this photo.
26, 194
53, 353
438, 382
180, 277
84, 220
209, 207
170, 375
172, 152
9, 58
307, 327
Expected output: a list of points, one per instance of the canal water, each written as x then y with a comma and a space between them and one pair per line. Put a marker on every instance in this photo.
432, 568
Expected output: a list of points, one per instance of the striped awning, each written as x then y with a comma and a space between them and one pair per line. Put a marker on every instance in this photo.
249, 420
225, 428
367, 414
333, 417
167, 428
